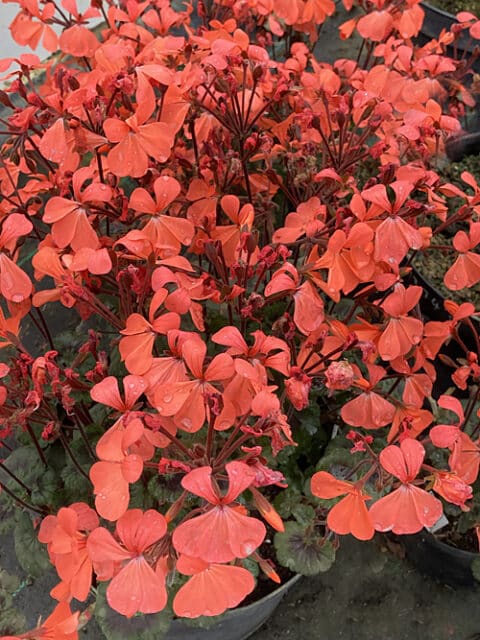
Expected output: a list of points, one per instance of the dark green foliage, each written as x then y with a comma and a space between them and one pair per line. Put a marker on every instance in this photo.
302, 550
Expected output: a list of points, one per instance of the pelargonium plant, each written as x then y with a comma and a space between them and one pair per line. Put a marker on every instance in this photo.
206, 250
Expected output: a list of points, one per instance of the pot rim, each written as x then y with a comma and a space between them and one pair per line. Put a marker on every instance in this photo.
442, 12
431, 537
273, 594
280, 589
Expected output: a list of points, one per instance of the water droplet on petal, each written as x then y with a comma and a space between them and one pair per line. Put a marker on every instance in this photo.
187, 423
248, 547
167, 398
17, 297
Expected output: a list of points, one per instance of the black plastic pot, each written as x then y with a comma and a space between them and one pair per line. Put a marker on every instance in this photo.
440, 561
458, 147
435, 21
432, 308
432, 299
235, 624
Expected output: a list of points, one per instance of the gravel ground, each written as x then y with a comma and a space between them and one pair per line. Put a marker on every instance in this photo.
369, 594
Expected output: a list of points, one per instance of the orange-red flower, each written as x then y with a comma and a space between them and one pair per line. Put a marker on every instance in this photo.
465, 271
212, 589
394, 237
139, 334
69, 216
66, 537
135, 142
465, 454
450, 486
224, 532
186, 400
407, 509
136, 587
350, 515
117, 469
61, 624
165, 232
369, 410
402, 331
15, 285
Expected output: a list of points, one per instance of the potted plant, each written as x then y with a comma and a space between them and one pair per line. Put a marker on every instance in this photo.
220, 226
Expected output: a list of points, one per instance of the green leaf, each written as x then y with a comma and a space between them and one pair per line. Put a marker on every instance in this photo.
476, 569
252, 566
24, 463
31, 555
8, 582
302, 550
7, 520
12, 621
76, 488
139, 497
164, 489
46, 489
140, 627
336, 456
304, 514
286, 501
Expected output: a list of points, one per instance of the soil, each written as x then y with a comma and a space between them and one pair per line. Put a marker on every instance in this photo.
466, 541
454, 6
434, 264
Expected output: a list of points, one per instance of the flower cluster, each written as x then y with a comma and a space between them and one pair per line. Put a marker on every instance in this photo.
226, 225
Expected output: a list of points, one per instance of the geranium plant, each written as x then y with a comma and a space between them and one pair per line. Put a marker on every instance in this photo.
206, 248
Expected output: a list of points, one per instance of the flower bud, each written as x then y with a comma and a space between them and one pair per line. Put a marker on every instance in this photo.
339, 375
451, 487
297, 388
